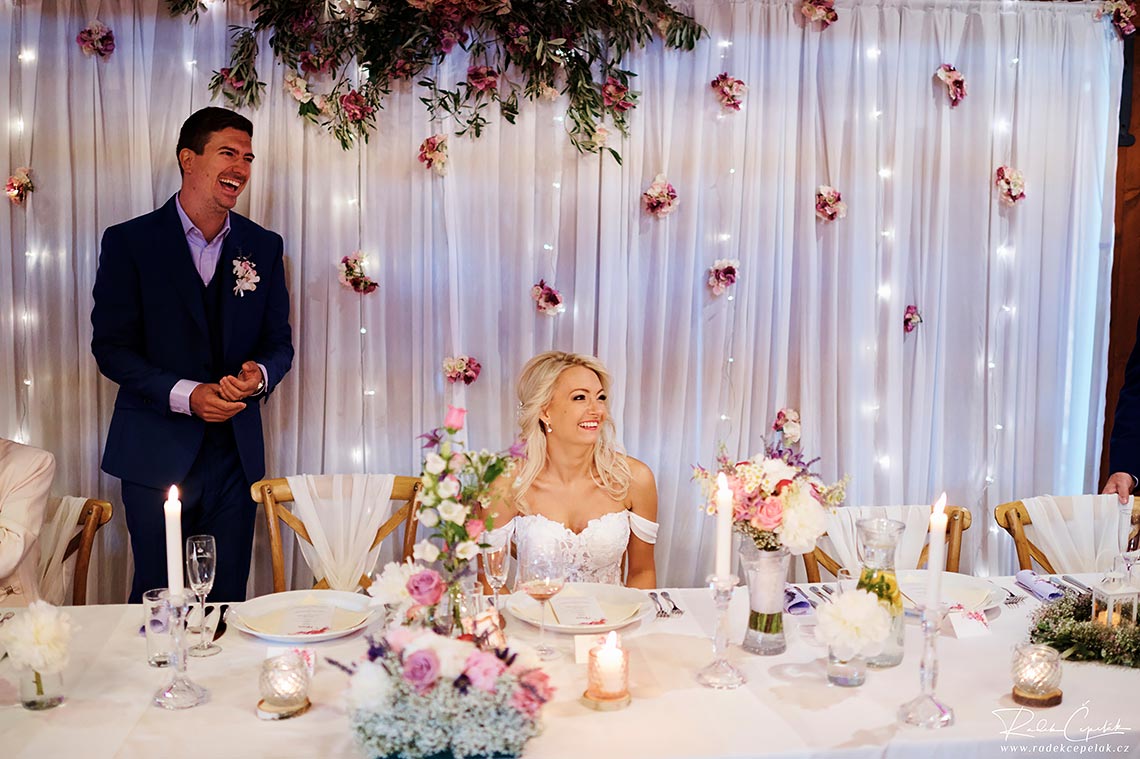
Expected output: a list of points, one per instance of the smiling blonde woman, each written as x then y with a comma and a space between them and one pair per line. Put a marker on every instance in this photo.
576, 487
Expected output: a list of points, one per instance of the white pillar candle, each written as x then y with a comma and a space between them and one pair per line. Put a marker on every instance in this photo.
609, 664
723, 565
937, 554
173, 511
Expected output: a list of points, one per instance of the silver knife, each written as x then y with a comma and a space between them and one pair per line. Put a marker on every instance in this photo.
1075, 582
221, 628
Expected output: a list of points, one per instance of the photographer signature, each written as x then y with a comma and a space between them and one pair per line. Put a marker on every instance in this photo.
1020, 722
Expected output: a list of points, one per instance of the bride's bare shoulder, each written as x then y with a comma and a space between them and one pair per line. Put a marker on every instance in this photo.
642, 489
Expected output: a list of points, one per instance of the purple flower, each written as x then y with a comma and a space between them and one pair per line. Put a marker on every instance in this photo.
421, 670
433, 438
517, 449
425, 587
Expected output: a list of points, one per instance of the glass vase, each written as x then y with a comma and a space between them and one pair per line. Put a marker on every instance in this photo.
40, 690
455, 613
847, 673
878, 540
766, 572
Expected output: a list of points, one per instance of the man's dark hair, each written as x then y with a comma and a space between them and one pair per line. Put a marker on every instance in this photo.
197, 129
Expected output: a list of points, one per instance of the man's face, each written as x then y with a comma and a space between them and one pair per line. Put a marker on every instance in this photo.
214, 180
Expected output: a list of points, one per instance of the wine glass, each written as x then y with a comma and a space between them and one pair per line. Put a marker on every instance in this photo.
1130, 557
496, 565
542, 574
201, 561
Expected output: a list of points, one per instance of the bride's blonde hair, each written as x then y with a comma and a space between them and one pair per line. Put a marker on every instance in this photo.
536, 387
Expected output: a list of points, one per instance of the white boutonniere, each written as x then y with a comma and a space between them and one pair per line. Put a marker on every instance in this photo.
245, 275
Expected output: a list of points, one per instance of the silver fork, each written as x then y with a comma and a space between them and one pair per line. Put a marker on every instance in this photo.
676, 611
661, 613
1011, 598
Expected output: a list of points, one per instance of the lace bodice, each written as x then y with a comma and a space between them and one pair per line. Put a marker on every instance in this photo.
593, 555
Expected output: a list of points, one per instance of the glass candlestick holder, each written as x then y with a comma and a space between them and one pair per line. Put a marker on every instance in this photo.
720, 673
925, 710
181, 692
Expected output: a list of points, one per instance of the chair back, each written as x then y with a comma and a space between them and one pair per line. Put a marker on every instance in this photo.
275, 493
1066, 533
69, 531
913, 550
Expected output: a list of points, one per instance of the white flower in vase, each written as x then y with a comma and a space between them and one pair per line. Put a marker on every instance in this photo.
856, 623
38, 638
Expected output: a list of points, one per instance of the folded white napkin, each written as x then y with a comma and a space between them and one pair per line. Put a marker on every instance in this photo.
1043, 590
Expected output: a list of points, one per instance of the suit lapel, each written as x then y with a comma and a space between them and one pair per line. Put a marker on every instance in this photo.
231, 249
184, 277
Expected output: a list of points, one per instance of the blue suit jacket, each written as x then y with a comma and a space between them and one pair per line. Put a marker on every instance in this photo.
149, 330
1124, 446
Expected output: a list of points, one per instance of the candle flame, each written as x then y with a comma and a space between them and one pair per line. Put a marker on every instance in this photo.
172, 495
611, 640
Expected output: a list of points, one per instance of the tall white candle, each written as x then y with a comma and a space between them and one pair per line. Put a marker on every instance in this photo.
723, 565
173, 511
937, 554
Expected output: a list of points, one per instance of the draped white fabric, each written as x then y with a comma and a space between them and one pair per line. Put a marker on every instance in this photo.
1077, 534
842, 539
341, 513
60, 525
997, 395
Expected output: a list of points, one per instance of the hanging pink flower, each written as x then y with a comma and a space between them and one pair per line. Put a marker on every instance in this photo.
298, 87
352, 276
660, 199
355, 107
911, 319
822, 11
547, 300
722, 274
616, 95
1010, 184
829, 204
19, 185
1122, 14
729, 91
788, 425
954, 81
482, 78
96, 39
433, 153
463, 369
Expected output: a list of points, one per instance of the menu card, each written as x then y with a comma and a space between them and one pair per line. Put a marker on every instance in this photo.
577, 610
307, 619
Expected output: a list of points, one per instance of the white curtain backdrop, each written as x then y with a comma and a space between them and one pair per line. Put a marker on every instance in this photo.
996, 396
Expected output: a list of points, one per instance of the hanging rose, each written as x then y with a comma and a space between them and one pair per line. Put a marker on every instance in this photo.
829, 204
355, 107
482, 78
19, 185
822, 11
729, 91
911, 319
352, 276
954, 81
788, 425
616, 95
547, 300
660, 199
433, 153
1122, 14
463, 369
96, 39
723, 274
1010, 184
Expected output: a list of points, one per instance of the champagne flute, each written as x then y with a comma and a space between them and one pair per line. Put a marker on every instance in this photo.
1130, 557
496, 565
201, 561
542, 574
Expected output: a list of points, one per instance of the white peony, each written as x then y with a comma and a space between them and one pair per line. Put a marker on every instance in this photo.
854, 624
370, 688
38, 638
434, 464
428, 517
453, 511
791, 432
772, 471
804, 519
425, 551
452, 653
467, 550
391, 587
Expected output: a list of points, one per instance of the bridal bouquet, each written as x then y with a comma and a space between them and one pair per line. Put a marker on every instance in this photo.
418, 694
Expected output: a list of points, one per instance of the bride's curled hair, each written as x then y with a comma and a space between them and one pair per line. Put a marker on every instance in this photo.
536, 387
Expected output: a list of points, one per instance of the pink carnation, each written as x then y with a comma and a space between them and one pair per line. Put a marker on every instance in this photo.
483, 669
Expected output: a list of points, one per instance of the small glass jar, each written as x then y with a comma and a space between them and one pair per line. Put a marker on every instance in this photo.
1036, 669
846, 673
40, 690
285, 682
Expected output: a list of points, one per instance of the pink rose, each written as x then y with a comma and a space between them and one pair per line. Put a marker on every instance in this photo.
769, 514
613, 95
483, 669
475, 528
421, 670
425, 587
482, 78
354, 106
534, 690
454, 419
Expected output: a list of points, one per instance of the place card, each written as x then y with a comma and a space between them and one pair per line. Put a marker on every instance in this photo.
307, 619
307, 655
577, 610
968, 624
583, 644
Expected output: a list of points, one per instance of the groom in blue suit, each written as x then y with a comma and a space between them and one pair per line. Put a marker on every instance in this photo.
191, 320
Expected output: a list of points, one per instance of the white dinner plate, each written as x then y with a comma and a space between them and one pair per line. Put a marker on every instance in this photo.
622, 607
262, 616
973, 593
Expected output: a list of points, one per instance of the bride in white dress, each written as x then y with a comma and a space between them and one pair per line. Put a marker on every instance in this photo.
576, 487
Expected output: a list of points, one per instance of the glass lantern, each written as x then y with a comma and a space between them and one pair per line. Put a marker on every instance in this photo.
1114, 601
1036, 672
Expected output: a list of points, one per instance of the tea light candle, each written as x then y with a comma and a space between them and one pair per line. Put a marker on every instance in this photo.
284, 687
608, 676
1036, 671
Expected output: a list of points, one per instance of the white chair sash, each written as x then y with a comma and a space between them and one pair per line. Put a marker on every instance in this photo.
342, 513
1078, 533
843, 536
58, 529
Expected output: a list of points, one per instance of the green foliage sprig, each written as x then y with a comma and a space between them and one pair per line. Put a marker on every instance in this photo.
1067, 625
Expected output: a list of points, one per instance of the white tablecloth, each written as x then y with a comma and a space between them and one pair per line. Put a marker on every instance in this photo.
786, 709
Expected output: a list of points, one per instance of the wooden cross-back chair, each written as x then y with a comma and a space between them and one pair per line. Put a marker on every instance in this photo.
1013, 517
958, 521
272, 493
94, 515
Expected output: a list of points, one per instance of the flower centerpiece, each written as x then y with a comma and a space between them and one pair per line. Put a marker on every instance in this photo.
854, 625
456, 483
779, 509
36, 642
418, 694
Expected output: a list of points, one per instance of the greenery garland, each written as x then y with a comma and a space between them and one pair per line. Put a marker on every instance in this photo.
1067, 625
533, 48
